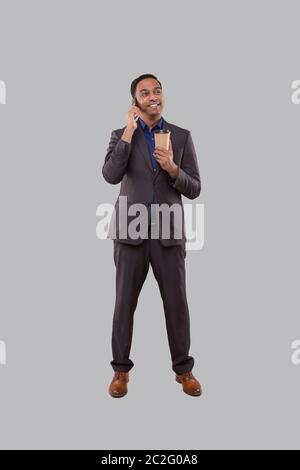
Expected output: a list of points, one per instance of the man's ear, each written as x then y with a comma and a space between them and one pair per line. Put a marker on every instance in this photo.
135, 102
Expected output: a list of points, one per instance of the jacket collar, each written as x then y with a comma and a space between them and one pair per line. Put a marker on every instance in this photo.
159, 125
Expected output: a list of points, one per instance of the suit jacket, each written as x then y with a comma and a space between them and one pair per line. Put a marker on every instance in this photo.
130, 164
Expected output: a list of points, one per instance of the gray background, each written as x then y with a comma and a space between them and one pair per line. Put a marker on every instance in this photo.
226, 69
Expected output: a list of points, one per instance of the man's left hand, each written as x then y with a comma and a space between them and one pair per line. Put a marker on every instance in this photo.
165, 159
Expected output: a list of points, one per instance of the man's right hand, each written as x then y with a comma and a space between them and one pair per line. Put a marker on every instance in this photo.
131, 115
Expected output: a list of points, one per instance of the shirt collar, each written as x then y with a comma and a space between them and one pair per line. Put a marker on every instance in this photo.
159, 125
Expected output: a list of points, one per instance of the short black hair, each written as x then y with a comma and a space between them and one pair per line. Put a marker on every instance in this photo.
138, 79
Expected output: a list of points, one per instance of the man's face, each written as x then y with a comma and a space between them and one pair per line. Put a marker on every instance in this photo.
150, 97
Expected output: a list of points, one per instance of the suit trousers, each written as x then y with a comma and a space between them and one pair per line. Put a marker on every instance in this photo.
168, 265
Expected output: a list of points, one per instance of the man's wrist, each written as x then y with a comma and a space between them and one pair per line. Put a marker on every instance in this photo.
127, 134
174, 171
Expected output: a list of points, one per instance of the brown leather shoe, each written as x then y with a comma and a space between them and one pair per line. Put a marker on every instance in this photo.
118, 386
190, 384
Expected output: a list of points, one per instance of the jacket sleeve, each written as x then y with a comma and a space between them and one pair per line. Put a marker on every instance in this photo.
188, 180
116, 159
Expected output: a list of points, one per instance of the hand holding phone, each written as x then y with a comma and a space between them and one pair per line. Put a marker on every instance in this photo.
136, 106
132, 116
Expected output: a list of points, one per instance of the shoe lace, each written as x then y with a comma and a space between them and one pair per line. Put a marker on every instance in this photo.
120, 375
187, 376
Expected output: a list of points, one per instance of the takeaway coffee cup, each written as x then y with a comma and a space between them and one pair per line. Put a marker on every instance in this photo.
162, 138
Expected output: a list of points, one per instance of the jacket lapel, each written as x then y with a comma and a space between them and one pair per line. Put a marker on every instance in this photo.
142, 146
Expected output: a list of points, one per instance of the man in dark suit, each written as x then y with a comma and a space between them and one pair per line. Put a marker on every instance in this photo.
152, 177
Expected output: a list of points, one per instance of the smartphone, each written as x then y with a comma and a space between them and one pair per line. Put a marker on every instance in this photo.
135, 103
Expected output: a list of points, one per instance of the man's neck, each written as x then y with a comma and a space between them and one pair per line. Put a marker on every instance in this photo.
151, 123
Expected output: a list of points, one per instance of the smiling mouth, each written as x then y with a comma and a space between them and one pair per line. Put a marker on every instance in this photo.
153, 106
